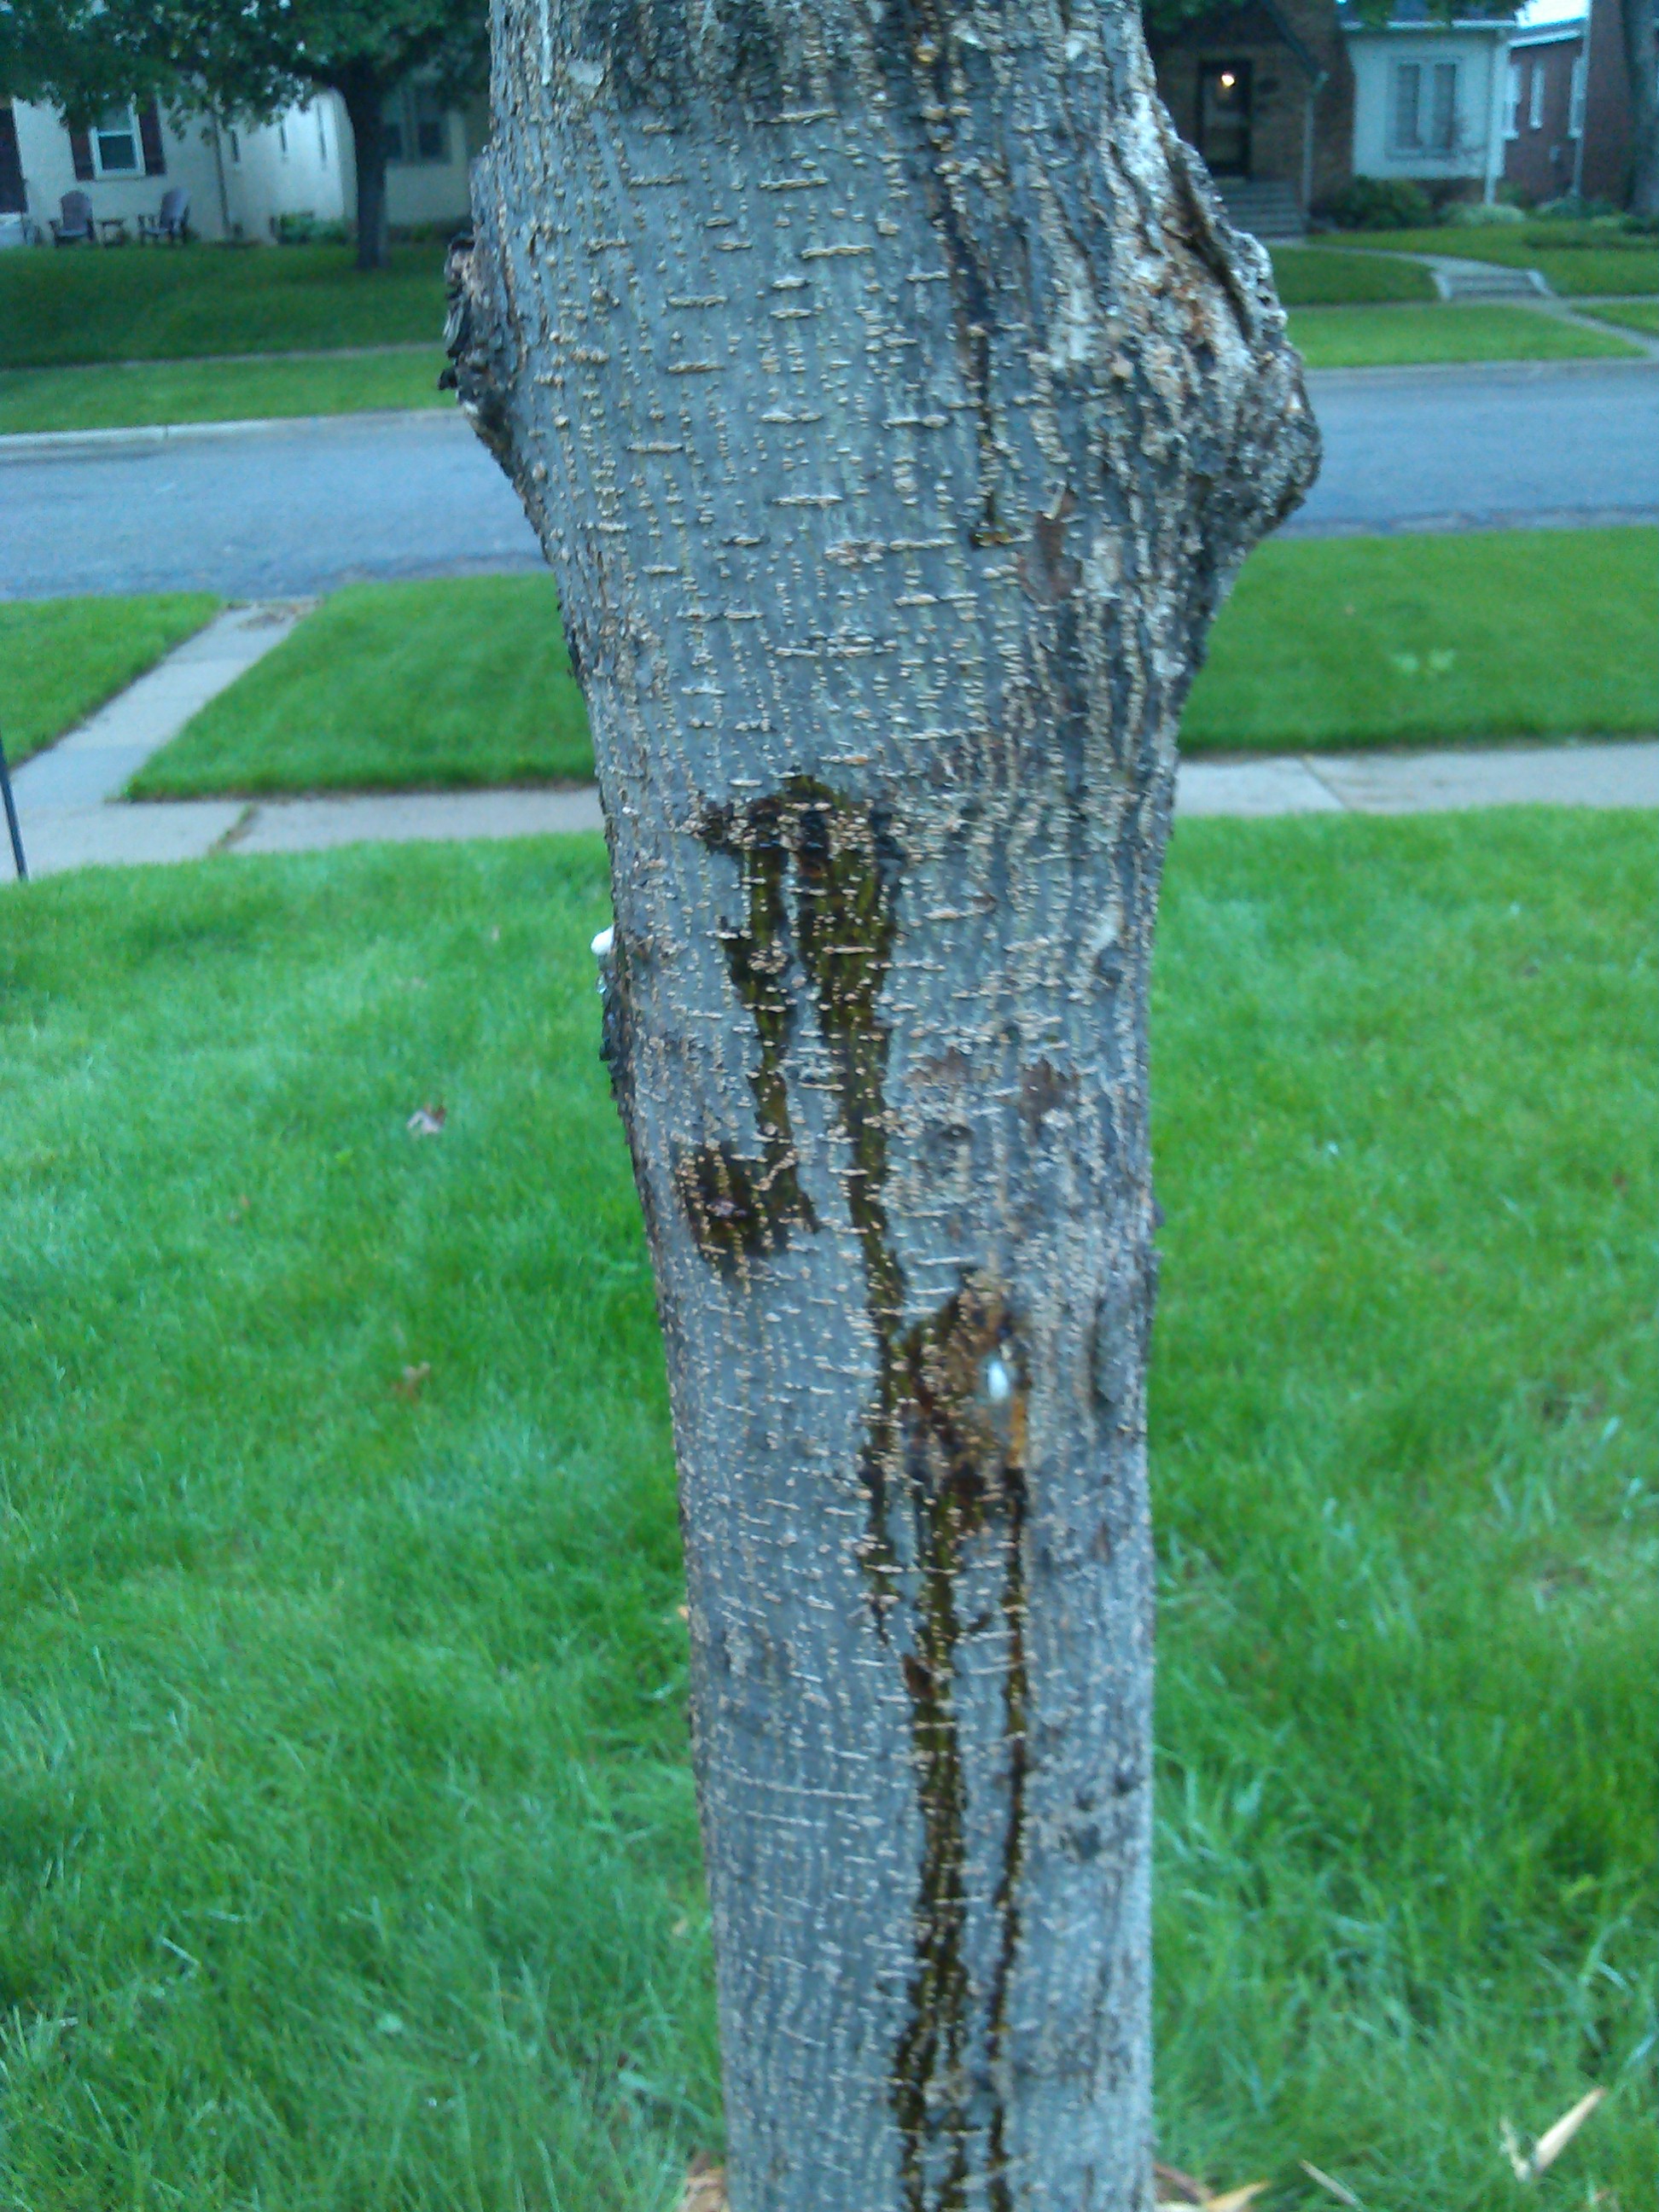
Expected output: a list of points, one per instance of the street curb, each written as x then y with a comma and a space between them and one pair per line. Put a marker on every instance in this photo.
1470, 525
44, 444
1493, 371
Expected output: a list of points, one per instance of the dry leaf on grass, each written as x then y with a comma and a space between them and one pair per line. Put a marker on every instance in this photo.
427, 1121
413, 1379
1527, 2166
705, 2187
1174, 2187
1338, 2189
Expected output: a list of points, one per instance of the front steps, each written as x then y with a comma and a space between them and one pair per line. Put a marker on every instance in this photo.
1269, 211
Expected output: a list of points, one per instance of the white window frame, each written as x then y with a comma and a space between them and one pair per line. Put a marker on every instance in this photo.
1512, 106
405, 119
98, 133
1398, 141
1535, 105
1430, 73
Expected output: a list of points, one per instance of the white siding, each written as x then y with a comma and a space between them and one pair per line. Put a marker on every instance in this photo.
301, 164
291, 166
43, 146
1481, 59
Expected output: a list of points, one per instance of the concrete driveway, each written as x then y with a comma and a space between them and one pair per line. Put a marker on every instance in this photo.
294, 509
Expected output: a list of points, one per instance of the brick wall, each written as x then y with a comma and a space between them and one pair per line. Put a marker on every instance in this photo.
1281, 82
1538, 160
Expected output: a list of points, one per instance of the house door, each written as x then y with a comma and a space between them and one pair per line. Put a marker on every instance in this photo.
1224, 117
11, 167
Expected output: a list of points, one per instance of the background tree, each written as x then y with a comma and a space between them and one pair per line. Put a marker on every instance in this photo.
895, 406
251, 58
1641, 40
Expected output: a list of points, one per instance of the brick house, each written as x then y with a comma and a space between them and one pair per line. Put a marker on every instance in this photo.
1288, 100
1544, 109
1265, 91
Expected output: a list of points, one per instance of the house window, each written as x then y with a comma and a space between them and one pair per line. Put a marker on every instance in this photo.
1535, 115
115, 148
1576, 100
417, 125
1512, 111
431, 125
1425, 107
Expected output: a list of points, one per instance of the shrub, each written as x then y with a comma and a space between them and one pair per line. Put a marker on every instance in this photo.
437, 232
1379, 204
1476, 215
302, 227
1570, 208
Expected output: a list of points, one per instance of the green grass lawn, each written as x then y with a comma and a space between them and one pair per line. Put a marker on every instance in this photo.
1357, 642
1391, 337
395, 687
348, 1856
1628, 314
1572, 258
1324, 276
61, 658
1325, 643
58, 309
109, 396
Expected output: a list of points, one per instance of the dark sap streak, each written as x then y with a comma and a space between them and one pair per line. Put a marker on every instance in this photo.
936, 1435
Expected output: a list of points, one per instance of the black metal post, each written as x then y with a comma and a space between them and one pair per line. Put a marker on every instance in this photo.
20, 864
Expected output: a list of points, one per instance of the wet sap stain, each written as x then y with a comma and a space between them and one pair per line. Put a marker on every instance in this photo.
943, 1464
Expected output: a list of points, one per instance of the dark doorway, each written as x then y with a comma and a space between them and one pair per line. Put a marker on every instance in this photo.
1224, 117
11, 166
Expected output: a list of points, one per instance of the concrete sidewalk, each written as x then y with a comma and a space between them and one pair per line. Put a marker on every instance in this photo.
115, 835
71, 816
94, 762
1585, 774
58, 838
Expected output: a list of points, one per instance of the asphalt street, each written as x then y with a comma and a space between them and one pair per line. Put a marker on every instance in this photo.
265, 512
1502, 445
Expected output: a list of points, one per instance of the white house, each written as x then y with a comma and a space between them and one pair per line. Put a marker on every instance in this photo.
1430, 99
240, 179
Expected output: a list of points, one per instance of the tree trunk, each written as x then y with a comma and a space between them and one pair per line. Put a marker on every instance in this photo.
894, 407
364, 97
1642, 74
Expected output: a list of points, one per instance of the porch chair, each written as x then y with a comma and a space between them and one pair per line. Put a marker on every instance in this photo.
171, 225
74, 227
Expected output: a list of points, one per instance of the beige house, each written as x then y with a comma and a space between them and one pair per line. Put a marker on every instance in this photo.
241, 179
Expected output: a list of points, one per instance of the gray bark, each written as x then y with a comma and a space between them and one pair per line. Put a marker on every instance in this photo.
1642, 74
895, 406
